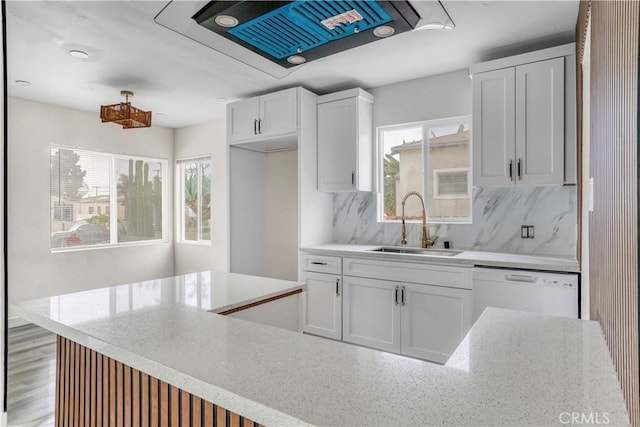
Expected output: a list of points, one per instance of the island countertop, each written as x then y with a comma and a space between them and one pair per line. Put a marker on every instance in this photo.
513, 368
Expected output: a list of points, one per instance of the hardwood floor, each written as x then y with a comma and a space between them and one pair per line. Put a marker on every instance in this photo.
31, 377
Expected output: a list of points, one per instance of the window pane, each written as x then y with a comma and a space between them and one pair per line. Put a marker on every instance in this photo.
402, 170
190, 176
80, 183
139, 200
205, 227
448, 159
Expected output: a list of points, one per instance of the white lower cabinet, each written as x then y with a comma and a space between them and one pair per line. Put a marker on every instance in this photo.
322, 305
416, 309
419, 310
371, 315
434, 320
423, 321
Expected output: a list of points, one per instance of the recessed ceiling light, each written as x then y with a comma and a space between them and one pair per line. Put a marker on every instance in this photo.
384, 31
221, 99
78, 54
23, 83
296, 59
159, 114
226, 21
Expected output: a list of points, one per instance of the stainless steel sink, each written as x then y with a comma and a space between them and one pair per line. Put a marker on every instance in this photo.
417, 251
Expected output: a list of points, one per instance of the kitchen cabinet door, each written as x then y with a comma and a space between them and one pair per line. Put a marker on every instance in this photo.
540, 122
337, 136
242, 120
434, 320
322, 305
345, 142
278, 113
494, 128
371, 313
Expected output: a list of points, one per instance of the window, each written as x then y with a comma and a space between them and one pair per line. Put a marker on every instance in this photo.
63, 212
432, 158
87, 186
194, 183
451, 183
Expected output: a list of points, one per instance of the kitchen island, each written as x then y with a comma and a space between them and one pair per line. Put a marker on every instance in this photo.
512, 368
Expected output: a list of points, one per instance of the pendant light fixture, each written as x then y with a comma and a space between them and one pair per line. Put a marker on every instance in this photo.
125, 114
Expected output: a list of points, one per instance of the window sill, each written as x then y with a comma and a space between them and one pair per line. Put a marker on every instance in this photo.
429, 222
109, 246
194, 242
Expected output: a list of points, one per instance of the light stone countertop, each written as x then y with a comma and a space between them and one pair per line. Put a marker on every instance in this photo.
513, 368
466, 258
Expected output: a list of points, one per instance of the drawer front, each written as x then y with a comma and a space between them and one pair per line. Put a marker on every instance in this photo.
321, 263
426, 274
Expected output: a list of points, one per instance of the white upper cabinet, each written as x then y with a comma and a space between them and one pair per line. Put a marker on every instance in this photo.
278, 113
263, 117
540, 122
519, 118
345, 141
494, 127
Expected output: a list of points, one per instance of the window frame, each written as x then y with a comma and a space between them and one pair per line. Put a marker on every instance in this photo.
426, 180
180, 205
113, 201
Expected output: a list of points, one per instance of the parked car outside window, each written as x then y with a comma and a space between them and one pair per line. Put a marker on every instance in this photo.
80, 234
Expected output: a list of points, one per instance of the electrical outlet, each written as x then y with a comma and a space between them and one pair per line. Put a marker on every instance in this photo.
526, 231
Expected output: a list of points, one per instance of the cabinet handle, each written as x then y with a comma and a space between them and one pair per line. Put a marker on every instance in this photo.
404, 301
353, 178
510, 170
255, 126
338, 287
259, 125
520, 169
318, 263
396, 295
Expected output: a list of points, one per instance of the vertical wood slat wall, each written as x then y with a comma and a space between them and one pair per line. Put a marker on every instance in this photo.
95, 390
613, 233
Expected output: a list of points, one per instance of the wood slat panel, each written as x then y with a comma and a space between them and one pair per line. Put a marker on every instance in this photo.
164, 404
154, 398
613, 230
105, 391
145, 405
208, 414
127, 395
59, 378
113, 387
95, 390
98, 416
185, 409
175, 406
81, 382
136, 419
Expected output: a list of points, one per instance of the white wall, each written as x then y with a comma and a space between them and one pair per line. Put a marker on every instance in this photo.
434, 97
247, 211
208, 139
281, 183
33, 270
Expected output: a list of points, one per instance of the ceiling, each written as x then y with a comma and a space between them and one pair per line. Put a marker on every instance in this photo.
185, 83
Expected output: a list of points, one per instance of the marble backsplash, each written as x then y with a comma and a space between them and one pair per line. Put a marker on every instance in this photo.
497, 216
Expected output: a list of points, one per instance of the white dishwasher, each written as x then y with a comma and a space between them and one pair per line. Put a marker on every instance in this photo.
545, 293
